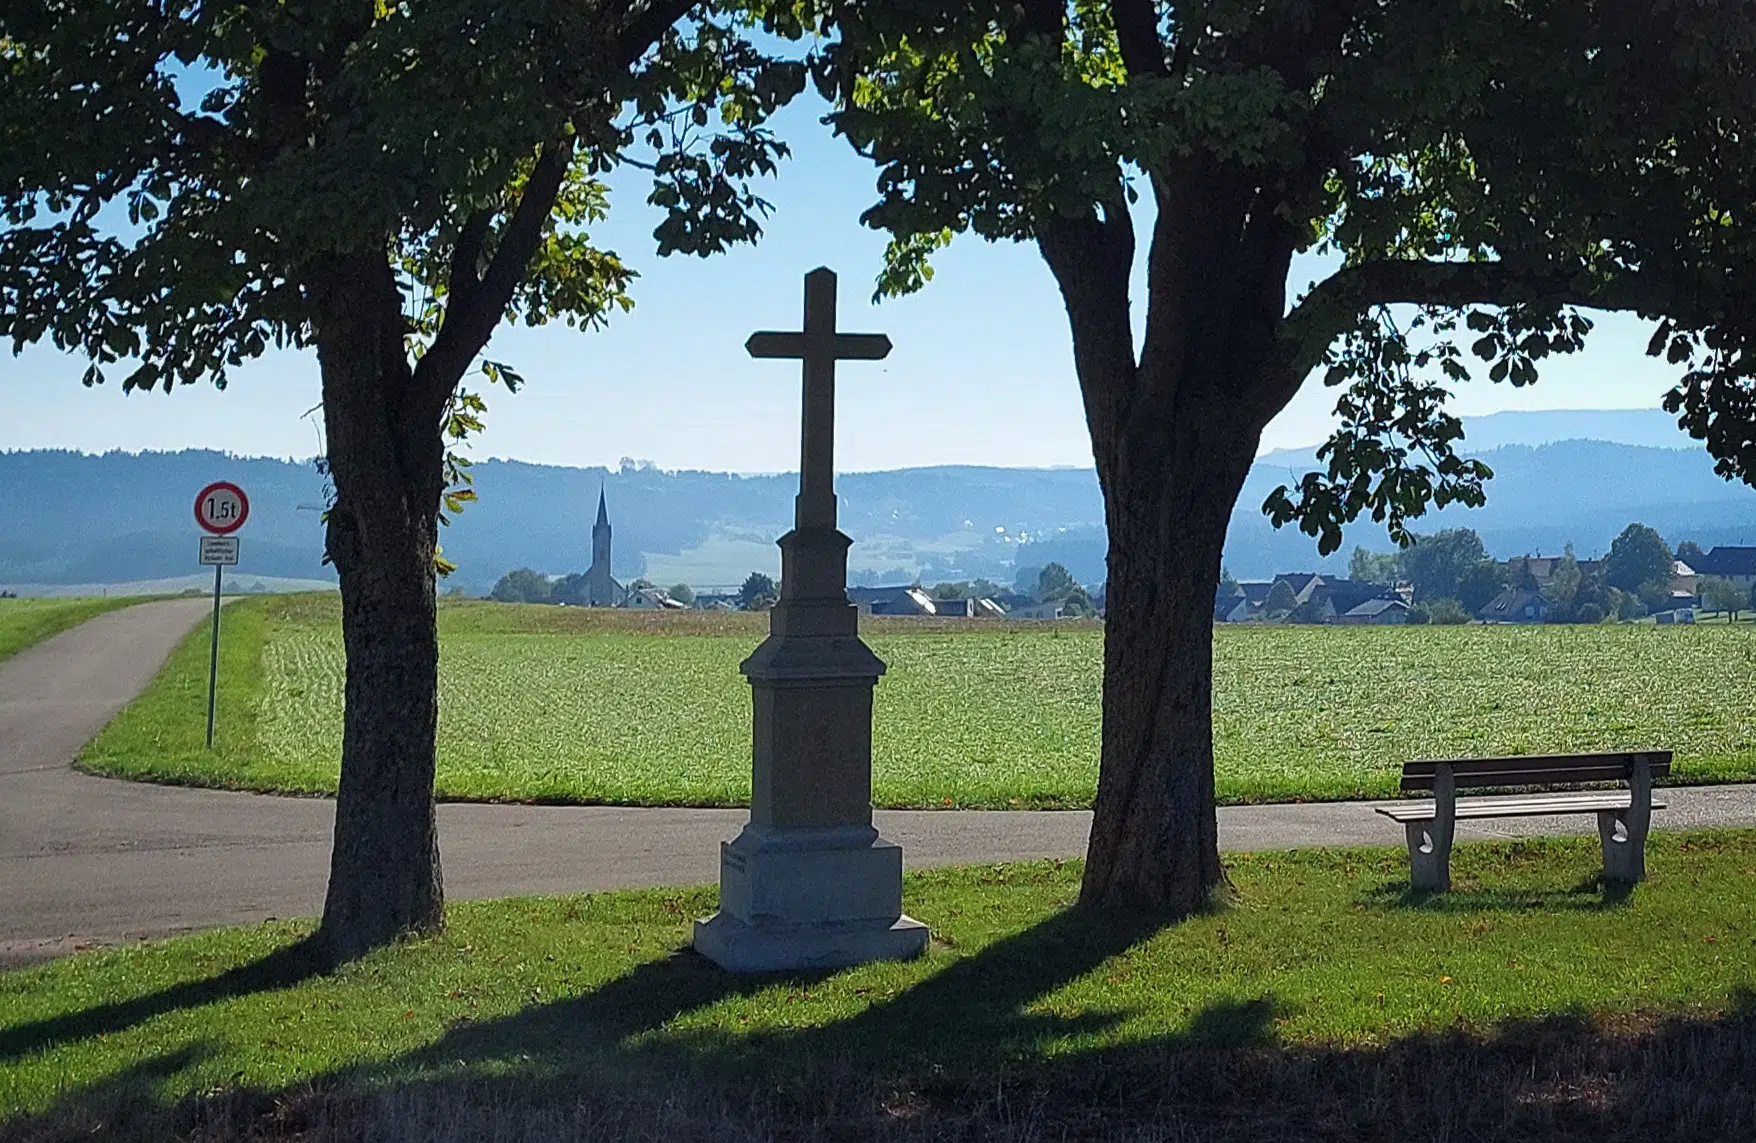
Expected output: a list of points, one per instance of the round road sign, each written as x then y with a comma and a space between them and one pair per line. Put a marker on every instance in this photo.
222, 508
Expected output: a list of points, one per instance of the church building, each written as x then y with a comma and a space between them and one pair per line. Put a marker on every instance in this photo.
602, 590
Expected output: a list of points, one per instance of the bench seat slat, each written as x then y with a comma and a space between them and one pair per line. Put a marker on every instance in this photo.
1538, 805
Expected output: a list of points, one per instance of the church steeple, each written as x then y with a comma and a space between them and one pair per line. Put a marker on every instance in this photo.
602, 588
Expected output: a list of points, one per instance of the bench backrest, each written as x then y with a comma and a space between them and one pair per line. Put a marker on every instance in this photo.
1536, 770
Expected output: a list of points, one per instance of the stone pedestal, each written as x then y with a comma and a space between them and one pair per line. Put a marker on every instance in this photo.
809, 883
792, 899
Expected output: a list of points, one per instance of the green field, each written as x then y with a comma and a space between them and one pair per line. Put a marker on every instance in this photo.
24, 622
1322, 990
544, 703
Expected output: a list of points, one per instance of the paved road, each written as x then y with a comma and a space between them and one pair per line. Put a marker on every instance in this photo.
91, 860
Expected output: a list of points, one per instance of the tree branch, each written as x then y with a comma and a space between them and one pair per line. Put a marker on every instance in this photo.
525, 229
1143, 51
1046, 18
474, 311
1091, 259
470, 320
1295, 51
282, 77
1335, 303
1186, 38
466, 255
645, 28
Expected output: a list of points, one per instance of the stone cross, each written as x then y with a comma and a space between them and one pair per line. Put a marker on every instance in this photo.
809, 883
819, 347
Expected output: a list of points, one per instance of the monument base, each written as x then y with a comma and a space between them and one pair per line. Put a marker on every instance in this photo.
737, 947
805, 898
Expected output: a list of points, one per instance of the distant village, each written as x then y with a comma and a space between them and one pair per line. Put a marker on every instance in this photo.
1444, 578
1447, 578
978, 599
1053, 594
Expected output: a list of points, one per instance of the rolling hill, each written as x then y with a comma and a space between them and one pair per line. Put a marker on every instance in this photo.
121, 517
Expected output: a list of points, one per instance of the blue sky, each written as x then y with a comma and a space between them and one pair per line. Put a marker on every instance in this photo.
981, 372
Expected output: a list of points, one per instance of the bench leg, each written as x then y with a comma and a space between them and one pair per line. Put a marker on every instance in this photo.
1429, 857
1625, 856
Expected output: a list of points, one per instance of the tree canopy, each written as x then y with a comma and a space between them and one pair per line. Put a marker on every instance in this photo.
1054, 582
170, 193
573, 589
185, 186
1394, 137
1368, 566
758, 591
1436, 564
1477, 587
1216, 141
1637, 557
1720, 594
523, 585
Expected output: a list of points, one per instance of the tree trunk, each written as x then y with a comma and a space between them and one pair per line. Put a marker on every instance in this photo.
387, 461
1169, 493
1173, 434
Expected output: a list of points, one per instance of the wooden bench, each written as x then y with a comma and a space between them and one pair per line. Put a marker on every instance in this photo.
1622, 815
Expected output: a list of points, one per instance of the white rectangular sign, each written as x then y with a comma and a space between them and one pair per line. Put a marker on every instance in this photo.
219, 550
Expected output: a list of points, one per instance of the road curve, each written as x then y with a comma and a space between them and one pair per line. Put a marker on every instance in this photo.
86, 860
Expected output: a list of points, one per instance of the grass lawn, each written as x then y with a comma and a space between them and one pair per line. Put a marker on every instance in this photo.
1719, 617
568, 704
24, 622
1525, 1004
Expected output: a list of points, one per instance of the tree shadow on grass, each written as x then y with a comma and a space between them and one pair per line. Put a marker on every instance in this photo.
1563, 1077
283, 968
112, 1106
616, 1046
1556, 1079
977, 1051
1595, 893
961, 1056
977, 1001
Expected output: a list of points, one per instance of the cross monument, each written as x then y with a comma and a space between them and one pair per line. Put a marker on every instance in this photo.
809, 883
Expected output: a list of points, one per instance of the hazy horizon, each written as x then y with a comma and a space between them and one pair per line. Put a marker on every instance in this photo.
1639, 439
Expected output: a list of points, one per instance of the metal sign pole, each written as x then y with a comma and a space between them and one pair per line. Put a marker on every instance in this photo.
221, 509
213, 654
